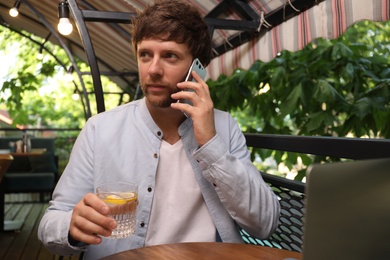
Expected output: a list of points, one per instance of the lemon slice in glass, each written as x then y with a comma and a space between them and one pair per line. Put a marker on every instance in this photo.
121, 199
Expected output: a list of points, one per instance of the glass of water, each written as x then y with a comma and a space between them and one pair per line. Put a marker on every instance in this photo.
122, 199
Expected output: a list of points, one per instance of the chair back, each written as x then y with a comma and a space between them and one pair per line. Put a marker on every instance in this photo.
5, 161
288, 235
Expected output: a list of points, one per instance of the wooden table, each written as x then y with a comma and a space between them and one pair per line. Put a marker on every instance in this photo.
33, 152
206, 251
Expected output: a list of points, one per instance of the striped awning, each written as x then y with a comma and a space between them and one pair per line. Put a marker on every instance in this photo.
328, 19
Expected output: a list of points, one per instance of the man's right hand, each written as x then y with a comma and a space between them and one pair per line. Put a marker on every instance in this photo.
90, 220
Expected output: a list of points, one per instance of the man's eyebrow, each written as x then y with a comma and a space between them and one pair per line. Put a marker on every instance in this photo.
172, 50
142, 49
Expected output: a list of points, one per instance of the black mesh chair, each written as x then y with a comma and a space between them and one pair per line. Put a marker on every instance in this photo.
288, 234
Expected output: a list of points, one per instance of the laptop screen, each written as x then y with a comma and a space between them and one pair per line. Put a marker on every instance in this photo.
348, 211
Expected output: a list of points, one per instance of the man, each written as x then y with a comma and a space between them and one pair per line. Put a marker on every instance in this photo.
194, 175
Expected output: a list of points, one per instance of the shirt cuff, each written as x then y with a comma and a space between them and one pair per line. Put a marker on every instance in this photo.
73, 242
210, 152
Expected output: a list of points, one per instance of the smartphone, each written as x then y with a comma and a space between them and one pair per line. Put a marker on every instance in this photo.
200, 70
198, 67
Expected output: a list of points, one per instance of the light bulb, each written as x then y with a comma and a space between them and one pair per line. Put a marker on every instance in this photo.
75, 96
64, 26
13, 12
68, 77
40, 56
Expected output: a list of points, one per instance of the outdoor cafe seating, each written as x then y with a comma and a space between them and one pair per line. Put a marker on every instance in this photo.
34, 172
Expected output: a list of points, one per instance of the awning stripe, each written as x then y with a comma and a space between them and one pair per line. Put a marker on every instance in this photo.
385, 10
339, 22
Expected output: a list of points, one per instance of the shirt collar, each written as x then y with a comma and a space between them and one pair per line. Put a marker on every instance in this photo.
148, 120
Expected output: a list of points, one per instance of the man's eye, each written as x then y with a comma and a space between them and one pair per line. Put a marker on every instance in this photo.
143, 54
170, 56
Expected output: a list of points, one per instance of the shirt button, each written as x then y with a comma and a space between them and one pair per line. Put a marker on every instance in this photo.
142, 224
149, 189
155, 155
159, 133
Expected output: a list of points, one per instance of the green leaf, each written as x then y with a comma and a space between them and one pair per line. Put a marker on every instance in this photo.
306, 160
341, 51
324, 91
301, 174
291, 102
362, 107
319, 120
278, 78
348, 73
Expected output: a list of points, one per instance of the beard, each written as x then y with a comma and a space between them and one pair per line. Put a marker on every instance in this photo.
163, 100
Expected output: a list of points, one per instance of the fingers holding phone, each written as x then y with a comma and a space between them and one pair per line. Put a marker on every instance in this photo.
196, 103
190, 84
191, 88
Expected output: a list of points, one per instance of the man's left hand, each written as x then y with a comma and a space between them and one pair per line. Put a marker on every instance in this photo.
202, 110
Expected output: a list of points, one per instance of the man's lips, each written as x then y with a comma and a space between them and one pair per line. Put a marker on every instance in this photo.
155, 88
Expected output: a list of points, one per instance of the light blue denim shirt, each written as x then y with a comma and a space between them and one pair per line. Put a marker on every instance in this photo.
123, 144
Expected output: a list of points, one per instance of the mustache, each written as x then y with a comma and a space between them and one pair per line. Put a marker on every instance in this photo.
173, 89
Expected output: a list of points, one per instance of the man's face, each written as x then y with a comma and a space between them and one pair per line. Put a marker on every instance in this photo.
161, 65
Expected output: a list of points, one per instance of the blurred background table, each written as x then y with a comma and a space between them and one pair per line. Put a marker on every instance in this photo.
33, 152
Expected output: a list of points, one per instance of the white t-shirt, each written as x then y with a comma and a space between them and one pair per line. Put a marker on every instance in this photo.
179, 213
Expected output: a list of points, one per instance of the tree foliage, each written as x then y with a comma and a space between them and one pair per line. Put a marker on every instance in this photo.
34, 91
36, 94
330, 88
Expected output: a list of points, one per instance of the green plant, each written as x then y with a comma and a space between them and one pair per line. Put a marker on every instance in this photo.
329, 88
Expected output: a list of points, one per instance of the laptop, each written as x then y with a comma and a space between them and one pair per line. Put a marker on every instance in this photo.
347, 211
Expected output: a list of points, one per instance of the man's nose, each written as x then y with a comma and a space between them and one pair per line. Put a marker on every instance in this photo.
155, 68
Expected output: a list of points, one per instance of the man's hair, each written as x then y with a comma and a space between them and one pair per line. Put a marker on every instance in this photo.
174, 20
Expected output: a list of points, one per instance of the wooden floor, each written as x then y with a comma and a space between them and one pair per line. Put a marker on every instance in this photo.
24, 244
